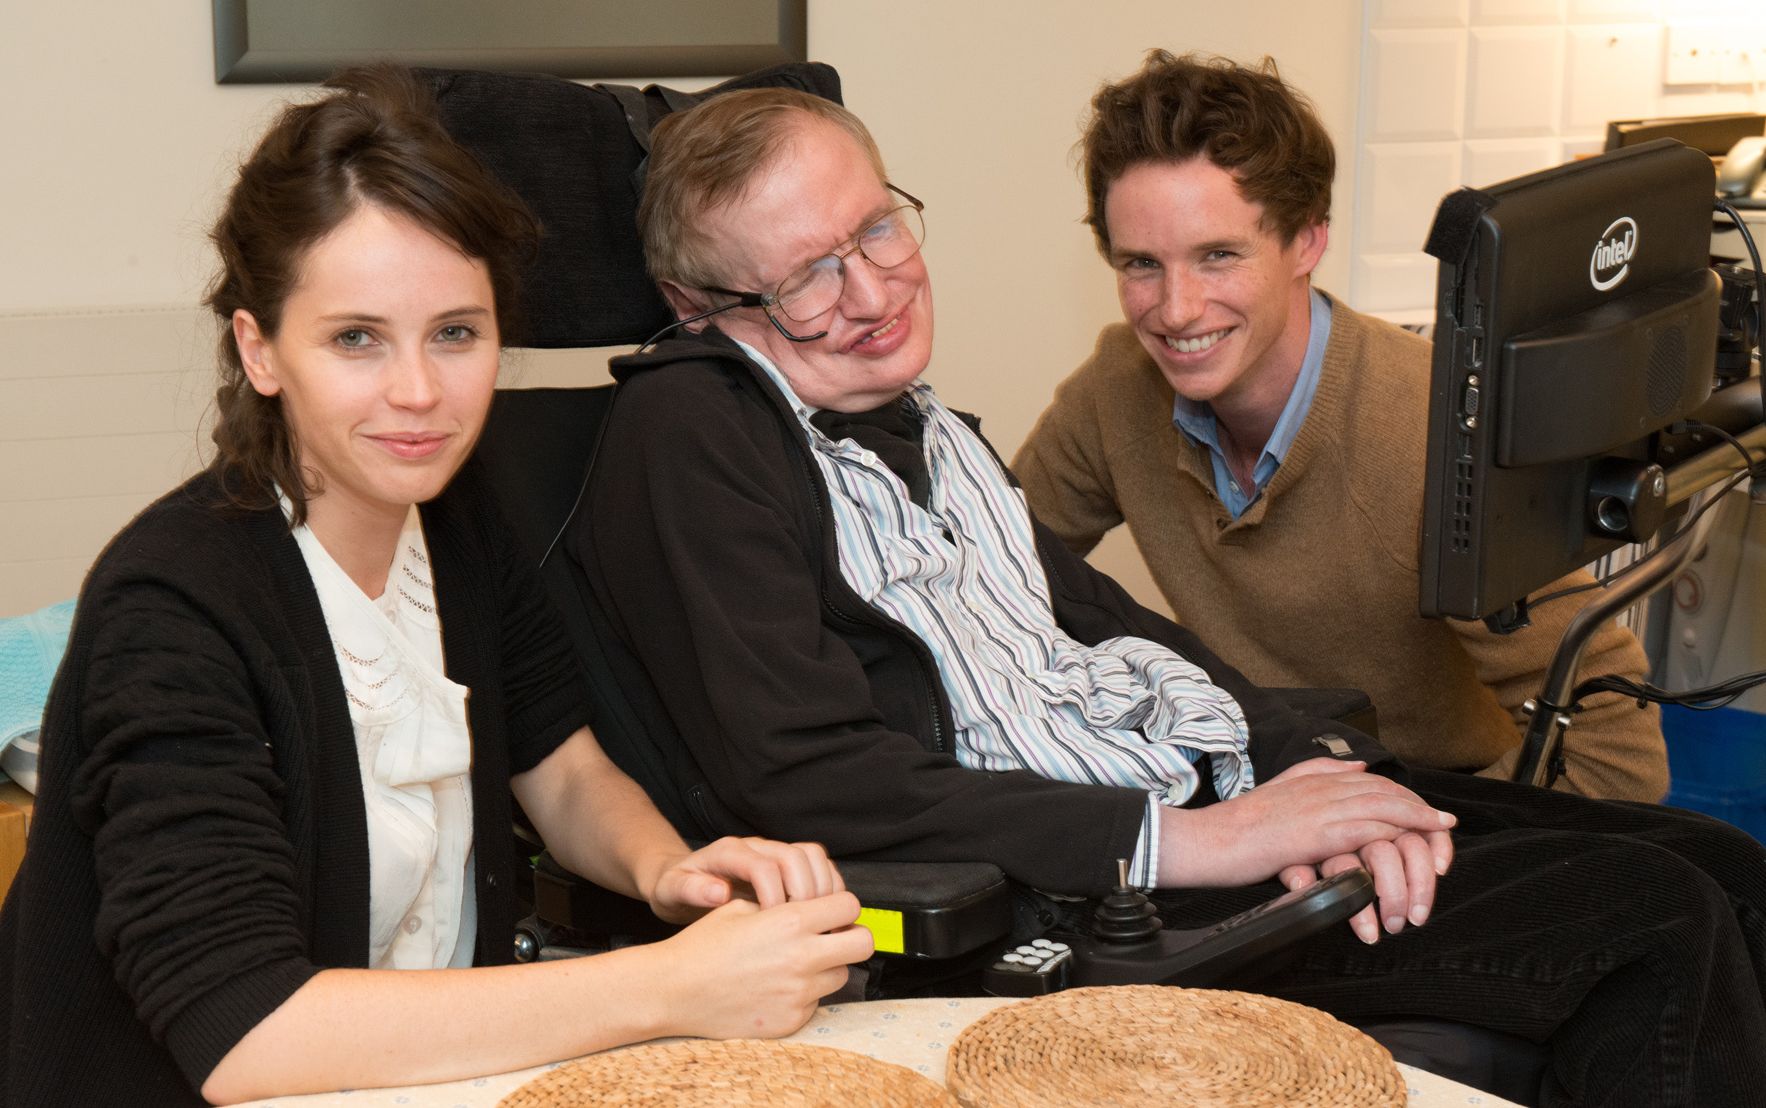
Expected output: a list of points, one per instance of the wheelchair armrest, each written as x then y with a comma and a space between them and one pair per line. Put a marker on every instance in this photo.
1350, 707
931, 909
563, 899
926, 910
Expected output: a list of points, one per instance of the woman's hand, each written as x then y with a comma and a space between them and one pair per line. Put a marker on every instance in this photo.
751, 972
684, 886
740, 971
598, 823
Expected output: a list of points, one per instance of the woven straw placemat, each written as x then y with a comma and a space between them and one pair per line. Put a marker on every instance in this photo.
1148, 1044
739, 1072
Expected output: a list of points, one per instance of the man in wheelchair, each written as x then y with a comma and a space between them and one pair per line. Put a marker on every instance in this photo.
866, 640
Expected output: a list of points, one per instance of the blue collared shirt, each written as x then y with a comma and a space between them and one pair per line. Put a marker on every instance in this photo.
1197, 423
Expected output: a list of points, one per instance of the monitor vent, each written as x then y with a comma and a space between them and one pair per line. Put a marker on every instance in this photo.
1667, 372
1461, 537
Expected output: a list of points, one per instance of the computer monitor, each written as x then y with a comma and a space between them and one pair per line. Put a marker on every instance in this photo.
1576, 315
1713, 134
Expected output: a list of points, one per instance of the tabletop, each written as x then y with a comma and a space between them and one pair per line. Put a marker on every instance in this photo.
911, 1033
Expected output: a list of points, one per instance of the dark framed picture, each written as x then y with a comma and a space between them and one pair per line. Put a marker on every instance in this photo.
273, 41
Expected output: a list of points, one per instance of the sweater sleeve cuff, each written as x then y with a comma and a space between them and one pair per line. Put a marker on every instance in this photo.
210, 1026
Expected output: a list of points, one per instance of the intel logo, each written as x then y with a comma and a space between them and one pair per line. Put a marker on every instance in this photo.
1611, 261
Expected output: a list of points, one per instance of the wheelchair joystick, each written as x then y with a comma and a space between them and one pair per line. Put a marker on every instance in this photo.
1126, 915
1123, 938
1129, 945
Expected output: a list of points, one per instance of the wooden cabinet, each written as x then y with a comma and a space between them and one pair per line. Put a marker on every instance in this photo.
15, 820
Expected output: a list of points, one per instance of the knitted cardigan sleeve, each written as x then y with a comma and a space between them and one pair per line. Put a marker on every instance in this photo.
176, 787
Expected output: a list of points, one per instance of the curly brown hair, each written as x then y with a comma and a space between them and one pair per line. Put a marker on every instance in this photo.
375, 139
1245, 120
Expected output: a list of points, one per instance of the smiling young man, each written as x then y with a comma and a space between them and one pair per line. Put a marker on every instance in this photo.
1265, 442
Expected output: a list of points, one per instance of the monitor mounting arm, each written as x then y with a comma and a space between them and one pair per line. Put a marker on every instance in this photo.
1549, 713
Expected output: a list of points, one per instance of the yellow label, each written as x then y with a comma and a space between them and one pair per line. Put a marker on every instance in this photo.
885, 929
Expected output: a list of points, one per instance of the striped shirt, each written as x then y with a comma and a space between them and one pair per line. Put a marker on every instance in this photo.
963, 575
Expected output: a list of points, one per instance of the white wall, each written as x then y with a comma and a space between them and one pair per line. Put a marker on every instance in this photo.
1472, 92
118, 144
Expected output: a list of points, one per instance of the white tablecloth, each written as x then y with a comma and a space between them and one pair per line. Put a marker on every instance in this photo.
911, 1033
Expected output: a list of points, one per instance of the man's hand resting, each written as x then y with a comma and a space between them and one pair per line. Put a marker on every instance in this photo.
1320, 817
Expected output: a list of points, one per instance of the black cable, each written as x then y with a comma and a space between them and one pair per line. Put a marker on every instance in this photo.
1703, 699
1598, 583
1728, 486
1747, 458
1747, 238
1735, 479
652, 340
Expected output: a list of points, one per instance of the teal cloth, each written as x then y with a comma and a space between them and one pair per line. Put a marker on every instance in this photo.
30, 650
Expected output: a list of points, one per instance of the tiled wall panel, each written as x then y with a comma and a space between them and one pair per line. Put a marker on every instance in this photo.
1623, 11
1403, 181
1611, 72
1507, 12
1496, 89
1416, 85
1515, 80
1488, 161
86, 465
1394, 284
1419, 13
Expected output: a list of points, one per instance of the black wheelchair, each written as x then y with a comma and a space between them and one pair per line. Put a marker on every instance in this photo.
576, 154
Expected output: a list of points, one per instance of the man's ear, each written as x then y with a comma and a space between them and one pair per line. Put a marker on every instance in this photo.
1309, 246
254, 353
684, 302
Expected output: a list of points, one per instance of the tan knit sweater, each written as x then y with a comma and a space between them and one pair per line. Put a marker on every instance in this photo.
1316, 584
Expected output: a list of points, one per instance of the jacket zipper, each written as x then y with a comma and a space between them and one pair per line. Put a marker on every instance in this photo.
867, 616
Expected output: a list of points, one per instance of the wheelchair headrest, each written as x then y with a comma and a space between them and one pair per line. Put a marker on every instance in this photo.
575, 154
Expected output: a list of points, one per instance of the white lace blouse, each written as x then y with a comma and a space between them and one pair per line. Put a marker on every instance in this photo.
415, 751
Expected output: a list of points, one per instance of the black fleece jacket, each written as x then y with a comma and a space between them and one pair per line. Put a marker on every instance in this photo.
808, 713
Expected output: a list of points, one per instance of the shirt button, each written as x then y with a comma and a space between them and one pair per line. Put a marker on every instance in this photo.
491, 880
413, 924
1220, 524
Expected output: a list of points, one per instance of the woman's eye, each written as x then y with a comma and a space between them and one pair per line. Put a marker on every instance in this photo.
354, 338
456, 332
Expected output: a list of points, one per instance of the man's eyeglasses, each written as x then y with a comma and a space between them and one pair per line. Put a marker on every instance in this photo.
886, 242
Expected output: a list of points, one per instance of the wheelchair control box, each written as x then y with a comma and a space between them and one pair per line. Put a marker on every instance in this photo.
1237, 949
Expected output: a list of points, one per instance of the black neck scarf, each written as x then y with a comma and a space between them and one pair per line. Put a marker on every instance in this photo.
893, 432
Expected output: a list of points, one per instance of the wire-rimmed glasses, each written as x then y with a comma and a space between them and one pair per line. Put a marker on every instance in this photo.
813, 289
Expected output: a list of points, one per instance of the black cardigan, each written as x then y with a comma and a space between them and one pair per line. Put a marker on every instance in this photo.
199, 845
808, 713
